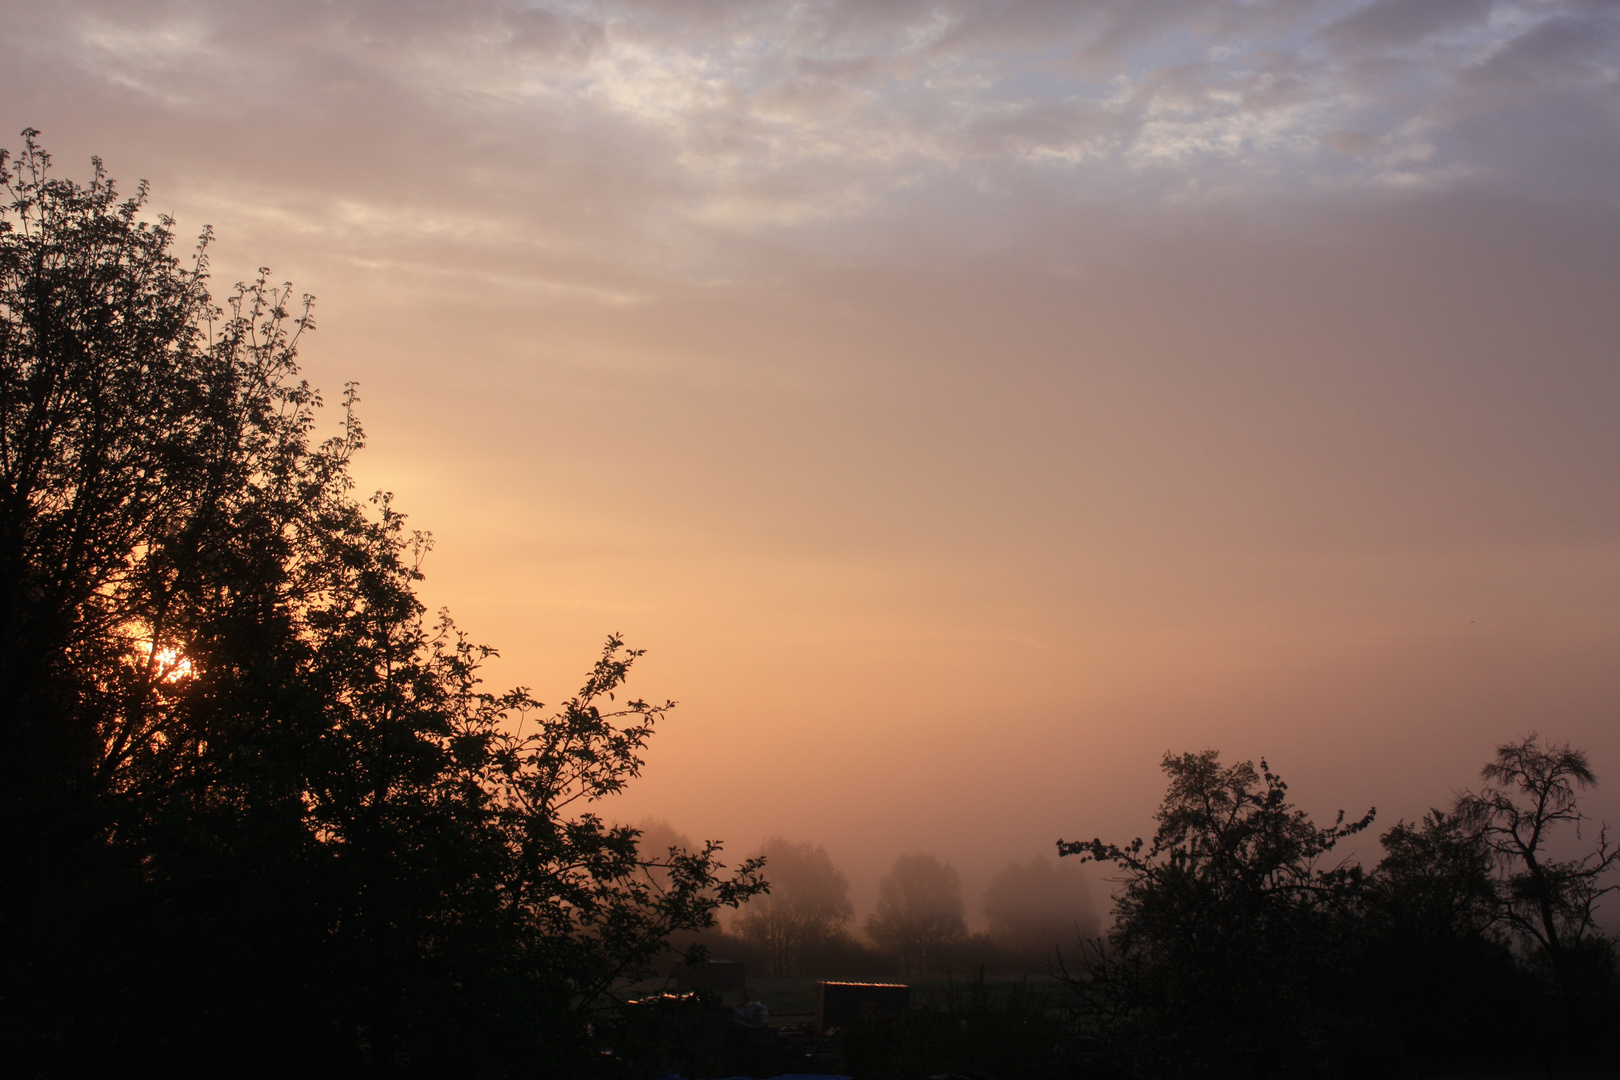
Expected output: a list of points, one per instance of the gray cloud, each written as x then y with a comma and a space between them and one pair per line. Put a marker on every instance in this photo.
1393, 23
1557, 53
646, 127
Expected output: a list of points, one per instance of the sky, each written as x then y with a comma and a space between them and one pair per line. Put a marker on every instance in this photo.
963, 403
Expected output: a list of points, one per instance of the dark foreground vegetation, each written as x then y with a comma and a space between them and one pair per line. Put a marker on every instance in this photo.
261, 819
1244, 945
1241, 946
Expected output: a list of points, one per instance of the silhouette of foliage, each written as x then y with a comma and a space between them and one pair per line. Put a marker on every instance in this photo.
1224, 925
1237, 947
972, 1027
1430, 963
1531, 795
1434, 881
260, 815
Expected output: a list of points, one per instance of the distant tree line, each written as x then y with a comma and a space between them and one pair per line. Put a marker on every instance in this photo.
805, 923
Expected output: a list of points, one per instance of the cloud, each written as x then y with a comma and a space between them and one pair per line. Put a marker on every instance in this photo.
1387, 24
1556, 53
666, 127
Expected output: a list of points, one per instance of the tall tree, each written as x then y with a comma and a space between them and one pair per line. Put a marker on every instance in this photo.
1223, 923
260, 815
1532, 797
919, 913
1428, 962
806, 908
1434, 881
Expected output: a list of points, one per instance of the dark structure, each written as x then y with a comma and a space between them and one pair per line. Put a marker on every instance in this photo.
838, 1003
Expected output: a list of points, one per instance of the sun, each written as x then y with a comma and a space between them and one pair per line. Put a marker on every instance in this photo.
169, 664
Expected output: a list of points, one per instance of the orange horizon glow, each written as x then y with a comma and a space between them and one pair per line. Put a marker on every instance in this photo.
963, 404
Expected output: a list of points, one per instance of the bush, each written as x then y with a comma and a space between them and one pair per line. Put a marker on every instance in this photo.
1007, 1030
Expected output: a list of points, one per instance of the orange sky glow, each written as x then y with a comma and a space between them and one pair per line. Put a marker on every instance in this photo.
963, 403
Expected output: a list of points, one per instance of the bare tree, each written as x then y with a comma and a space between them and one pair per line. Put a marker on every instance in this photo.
919, 912
1531, 795
807, 905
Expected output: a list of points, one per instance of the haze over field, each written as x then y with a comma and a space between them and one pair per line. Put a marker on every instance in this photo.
963, 403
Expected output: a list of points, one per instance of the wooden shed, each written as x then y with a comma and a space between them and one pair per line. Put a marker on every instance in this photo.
838, 1003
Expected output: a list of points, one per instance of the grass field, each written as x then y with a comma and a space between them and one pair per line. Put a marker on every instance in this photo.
792, 999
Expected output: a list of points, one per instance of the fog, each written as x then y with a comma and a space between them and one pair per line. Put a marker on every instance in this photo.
963, 404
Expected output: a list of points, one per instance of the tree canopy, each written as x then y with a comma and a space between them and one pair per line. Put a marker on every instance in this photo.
919, 912
1225, 920
1244, 944
1531, 795
805, 909
260, 811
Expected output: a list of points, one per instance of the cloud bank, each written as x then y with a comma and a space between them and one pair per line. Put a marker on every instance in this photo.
642, 131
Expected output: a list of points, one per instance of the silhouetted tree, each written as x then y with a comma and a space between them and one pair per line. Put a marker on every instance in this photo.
1434, 880
1036, 906
1531, 795
804, 910
1429, 961
919, 913
1223, 925
259, 815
